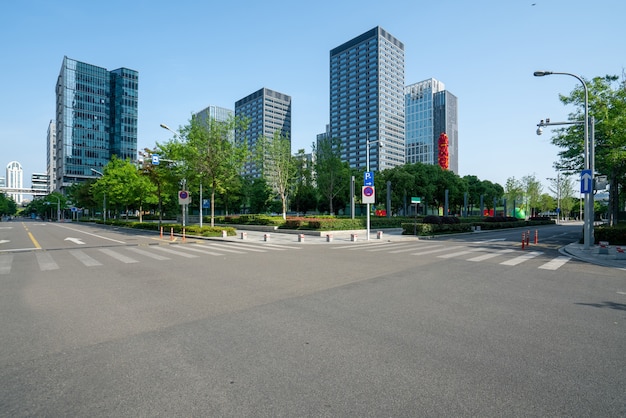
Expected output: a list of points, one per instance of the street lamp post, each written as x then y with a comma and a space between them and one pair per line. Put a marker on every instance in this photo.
104, 198
184, 206
589, 160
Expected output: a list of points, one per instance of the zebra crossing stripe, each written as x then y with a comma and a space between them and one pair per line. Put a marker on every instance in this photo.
384, 247
227, 248
412, 248
490, 255
118, 256
148, 254
85, 259
438, 250
518, 260
170, 251
460, 253
555, 263
5, 263
46, 262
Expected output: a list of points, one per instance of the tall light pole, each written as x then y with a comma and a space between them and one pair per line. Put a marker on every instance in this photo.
104, 198
589, 160
184, 206
367, 168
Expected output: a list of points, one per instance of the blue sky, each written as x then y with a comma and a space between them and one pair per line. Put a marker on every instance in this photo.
192, 54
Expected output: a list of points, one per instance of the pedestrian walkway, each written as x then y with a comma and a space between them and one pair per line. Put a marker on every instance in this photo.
613, 258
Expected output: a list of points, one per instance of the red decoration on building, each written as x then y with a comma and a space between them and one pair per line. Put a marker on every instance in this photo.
444, 158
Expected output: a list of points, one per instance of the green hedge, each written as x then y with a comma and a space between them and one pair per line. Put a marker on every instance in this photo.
615, 235
434, 229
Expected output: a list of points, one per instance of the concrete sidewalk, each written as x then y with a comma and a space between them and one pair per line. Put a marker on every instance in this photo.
613, 258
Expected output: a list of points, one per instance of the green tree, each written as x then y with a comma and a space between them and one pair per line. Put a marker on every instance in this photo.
607, 104
513, 192
206, 152
532, 193
278, 165
333, 175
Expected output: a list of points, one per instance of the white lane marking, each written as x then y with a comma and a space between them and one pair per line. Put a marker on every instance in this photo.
385, 247
6, 261
89, 233
518, 260
413, 248
247, 247
118, 256
438, 250
148, 254
170, 251
555, 263
490, 255
283, 247
85, 259
201, 249
489, 240
46, 262
74, 240
227, 248
4, 241
451, 255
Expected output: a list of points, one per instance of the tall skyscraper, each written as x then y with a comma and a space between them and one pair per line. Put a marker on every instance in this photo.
51, 155
430, 111
367, 99
268, 111
96, 118
15, 180
220, 114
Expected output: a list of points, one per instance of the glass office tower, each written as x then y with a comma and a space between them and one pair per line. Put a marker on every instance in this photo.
96, 118
367, 99
267, 111
430, 111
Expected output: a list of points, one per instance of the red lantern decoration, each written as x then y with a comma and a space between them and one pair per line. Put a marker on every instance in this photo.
444, 158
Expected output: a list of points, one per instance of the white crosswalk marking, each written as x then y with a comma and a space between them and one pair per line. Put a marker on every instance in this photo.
85, 259
246, 247
148, 254
170, 251
282, 247
459, 253
46, 262
6, 261
518, 260
555, 263
412, 248
385, 247
438, 250
201, 249
490, 255
119, 257
227, 248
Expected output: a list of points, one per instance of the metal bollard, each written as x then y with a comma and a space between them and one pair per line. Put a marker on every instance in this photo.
329, 237
266, 237
224, 234
379, 235
244, 235
353, 237
300, 237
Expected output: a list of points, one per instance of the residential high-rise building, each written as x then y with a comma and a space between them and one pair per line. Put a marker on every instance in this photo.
51, 155
267, 112
367, 99
96, 118
40, 183
430, 111
15, 180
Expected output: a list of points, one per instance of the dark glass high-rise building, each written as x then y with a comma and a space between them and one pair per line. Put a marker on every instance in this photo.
367, 99
267, 111
96, 118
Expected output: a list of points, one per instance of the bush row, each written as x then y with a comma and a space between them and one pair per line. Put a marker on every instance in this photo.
615, 235
432, 229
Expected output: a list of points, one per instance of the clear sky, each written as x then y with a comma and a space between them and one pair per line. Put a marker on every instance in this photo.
191, 54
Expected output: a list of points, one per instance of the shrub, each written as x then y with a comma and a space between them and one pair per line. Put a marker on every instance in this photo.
432, 219
450, 220
615, 235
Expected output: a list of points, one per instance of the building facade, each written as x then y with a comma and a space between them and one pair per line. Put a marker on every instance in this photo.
40, 183
220, 114
96, 118
267, 112
15, 180
367, 99
430, 111
51, 155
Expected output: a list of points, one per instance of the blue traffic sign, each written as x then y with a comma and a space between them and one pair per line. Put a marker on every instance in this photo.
586, 181
155, 159
368, 178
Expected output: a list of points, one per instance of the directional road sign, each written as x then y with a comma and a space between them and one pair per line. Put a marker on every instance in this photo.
586, 181
155, 159
368, 178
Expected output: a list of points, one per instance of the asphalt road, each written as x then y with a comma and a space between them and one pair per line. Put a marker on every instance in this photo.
115, 323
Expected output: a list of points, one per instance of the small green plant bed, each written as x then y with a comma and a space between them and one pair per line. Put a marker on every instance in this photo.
614, 235
434, 225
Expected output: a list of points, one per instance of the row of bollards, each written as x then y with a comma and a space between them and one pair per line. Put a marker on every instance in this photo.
526, 238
